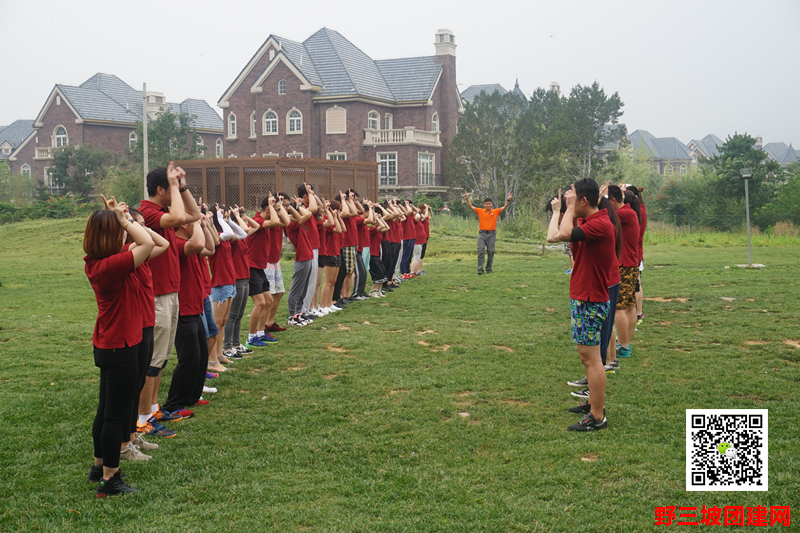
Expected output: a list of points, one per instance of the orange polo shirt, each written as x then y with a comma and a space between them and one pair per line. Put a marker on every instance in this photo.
488, 221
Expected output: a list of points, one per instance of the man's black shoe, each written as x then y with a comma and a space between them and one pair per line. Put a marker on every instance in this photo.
96, 474
480, 272
582, 408
589, 423
113, 486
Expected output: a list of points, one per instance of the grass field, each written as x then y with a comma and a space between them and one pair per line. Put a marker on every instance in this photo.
440, 408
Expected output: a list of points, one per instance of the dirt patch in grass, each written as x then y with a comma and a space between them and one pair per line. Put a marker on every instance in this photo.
337, 349
550, 309
514, 402
750, 299
331, 376
660, 299
464, 393
393, 330
794, 343
368, 323
242, 391
755, 343
342, 327
442, 348
463, 414
293, 368
718, 285
506, 348
423, 343
470, 321
398, 391
426, 332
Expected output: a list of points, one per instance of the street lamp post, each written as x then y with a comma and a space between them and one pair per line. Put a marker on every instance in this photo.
746, 174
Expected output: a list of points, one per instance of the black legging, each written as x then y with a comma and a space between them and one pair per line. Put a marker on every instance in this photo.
190, 372
144, 357
118, 379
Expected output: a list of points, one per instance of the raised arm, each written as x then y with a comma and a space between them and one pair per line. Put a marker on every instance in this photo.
505, 205
144, 244
561, 230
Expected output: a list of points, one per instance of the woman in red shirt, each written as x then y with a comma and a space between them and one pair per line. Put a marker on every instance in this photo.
117, 334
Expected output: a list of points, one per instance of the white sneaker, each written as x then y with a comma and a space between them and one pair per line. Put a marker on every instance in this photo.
209, 390
373, 294
132, 453
322, 312
333, 309
296, 321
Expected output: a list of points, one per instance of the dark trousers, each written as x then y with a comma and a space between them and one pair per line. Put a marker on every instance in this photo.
361, 274
486, 240
190, 372
386, 254
299, 288
118, 380
408, 253
232, 331
143, 358
608, 325
337, 287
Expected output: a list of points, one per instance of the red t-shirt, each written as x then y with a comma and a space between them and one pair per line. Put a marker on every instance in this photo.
419, 229
168, 273
146, 298
298, 235
222, 265
338, 243
363, 236
374, 242
351, 235
205, 271
642, 228
241, 267
409, 231
258, 245
427, 226
595, 259
394, 231
328, 242
119, 310
192, 293
313, 233
275, 244
630, 236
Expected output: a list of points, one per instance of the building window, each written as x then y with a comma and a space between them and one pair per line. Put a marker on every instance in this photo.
132, 138
6, 150
271, 54
337, 156
668, 170
231, 126
373, 121
282, 87
297, 155
336, 120
26, 170
388, 121
202, 146
425, 169
270, 154
683, 169
253, 125
61, 138
435, 122
53, 188
388, 168
219, 148
58, 100
295, 120
270, 123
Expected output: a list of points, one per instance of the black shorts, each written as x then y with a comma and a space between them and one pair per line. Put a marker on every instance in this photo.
329, 261
376, 270
424, 247
258, 281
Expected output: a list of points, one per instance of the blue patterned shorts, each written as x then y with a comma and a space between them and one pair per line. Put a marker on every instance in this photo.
587, 321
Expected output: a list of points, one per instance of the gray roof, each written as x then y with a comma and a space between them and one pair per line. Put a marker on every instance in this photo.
469, 94
106, 97
781, 153
607, 130
16, 132
410, 78
516, 90
659, 147
709, 145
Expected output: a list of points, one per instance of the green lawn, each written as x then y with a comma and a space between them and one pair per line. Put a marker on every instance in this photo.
440, 408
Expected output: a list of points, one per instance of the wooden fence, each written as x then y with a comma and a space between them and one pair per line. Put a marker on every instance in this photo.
246, 181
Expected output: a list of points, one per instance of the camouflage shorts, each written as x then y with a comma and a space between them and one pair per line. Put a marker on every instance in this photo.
627, 289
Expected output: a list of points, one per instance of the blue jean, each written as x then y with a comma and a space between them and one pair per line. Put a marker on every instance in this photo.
408, 252
208, 319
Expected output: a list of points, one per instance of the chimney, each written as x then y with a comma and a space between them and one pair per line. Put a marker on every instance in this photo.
759, 142
445, 43
555, 87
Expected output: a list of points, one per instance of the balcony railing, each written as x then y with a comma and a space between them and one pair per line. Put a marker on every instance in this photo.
429, 179
409, 135
45, 152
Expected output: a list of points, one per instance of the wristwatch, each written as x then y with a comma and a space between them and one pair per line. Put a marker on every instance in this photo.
181, 189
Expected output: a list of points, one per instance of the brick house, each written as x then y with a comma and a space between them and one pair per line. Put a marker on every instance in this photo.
103, 111
668, 155
324, 98
16, 147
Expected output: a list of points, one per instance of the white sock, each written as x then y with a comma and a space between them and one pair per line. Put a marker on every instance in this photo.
251, 336
259, 333
143, 419
153, 408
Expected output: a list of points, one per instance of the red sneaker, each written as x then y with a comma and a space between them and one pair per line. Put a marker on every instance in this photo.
274, 327
201, 402
185, 413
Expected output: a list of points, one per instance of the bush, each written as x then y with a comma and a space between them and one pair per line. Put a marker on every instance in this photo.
787, 229
53, 207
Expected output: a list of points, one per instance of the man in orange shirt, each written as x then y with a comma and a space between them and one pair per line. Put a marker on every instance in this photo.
487, 218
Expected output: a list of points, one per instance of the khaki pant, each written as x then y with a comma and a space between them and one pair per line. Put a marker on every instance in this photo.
167, 311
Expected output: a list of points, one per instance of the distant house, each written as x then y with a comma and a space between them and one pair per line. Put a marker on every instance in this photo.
15, 146
103, 111
705, 148
325, 98
780, 153
668, 155
469, 94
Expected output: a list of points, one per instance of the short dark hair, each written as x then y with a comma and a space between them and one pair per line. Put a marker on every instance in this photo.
587, 188
616, 193
301, 191
612, 216
488, 200
157, 178
335, 205
103, 234
285, 195
264, 203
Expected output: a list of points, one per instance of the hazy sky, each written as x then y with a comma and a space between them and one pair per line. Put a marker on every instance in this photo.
683, 68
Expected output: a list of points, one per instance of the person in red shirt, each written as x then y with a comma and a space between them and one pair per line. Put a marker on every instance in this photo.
344, 284
409, 239
222, 282
487, 234
117, 334
593, 246
243, 227
421, 242
377, 230
329, 258
627, 208
303, 261
390, 246
273, 270
170, 204
642, 228
306, 194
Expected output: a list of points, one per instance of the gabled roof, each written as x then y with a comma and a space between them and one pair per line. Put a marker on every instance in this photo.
16, 132
105, 97
708, 145
411, 78
659, 147
607, 130
781, 153
469, 94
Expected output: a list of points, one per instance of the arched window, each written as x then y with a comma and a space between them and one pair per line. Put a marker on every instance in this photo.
26, 170
295, 120
219, 147
373, 121
232, 126
683, 169
336, 120
60, 135
435, 122
132, 138
282, 87
253, 125
201, 146
668, 170
270, 123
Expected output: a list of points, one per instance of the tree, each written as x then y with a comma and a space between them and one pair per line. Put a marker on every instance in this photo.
15, 188
123, 181
786, 202
736, 153
74, 167
170, 137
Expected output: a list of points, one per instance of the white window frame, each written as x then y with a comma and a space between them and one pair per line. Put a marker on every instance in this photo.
232, 126
25, 170
271, 54
387, 179
373, 120
684, 169
298, 155
57, 137
270, 154
132, 138
388, 121
58, 100
52, 190
435, 122
332, 131
253, 125
202, 143
669, 170
291, 126
432, 172
6, 150
336, 156
281, 87
219, 153
273, 121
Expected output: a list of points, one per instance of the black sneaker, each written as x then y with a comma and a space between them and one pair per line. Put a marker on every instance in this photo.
346, 300
614, 364
232, 353
480, 272
113, 486
307, 317
583, 382
243, 350
582, 394
96, 474
582, 408
589, 423
388, 289
340, 304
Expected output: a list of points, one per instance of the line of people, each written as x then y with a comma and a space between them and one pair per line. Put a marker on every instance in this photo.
605, 228
183, 277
